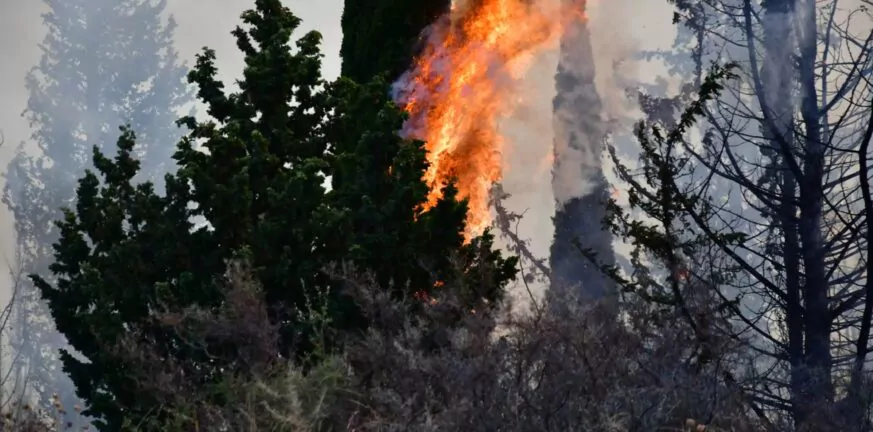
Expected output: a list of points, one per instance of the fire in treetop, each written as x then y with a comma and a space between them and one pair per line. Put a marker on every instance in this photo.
464, 82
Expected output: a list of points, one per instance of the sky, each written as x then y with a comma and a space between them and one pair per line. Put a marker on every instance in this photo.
203, 22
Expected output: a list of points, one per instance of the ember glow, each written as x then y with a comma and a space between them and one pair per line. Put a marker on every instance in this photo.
463, 83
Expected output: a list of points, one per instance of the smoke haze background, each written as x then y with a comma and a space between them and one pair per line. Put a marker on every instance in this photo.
620, 31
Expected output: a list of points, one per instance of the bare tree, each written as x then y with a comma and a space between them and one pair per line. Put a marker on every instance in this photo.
782, 159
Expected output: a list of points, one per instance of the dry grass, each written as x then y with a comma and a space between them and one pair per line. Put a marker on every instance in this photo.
582, 371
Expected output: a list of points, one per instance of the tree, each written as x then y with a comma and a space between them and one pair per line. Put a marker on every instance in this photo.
259, 182
383, 36
681, 263
104, 63
379, 43
378, 176
784, 154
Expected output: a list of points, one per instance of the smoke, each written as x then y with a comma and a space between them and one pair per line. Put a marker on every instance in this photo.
529, 155
536, 140
527, 163
573, 114
579, 120
607, 54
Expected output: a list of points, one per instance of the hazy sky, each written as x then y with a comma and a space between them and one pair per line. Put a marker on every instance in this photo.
201, 23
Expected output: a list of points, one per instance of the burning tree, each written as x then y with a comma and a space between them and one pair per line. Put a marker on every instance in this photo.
463, 83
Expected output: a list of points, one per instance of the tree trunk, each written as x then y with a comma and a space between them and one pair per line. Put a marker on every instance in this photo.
817, 315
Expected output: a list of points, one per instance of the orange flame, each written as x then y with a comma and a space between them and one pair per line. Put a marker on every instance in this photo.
463, 83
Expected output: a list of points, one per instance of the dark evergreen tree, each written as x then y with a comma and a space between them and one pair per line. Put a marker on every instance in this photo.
104, 63
259, 182
377, 178
380, 40
382, 36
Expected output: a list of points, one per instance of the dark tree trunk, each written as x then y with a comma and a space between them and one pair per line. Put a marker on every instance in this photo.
816, 302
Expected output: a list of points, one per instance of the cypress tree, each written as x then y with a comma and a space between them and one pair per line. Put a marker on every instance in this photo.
382, 36
380, 41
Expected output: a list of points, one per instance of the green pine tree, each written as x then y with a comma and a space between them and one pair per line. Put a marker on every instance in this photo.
259, 181
382, 36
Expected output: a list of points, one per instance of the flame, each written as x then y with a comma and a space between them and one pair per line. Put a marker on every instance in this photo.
464, 82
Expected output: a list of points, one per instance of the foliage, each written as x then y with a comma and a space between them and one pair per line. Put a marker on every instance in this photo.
381, 37
657, 220
256, 173
686, 256
578, 372
786, 152
679, 261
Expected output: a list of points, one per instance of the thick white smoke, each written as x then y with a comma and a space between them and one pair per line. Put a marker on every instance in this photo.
618, 30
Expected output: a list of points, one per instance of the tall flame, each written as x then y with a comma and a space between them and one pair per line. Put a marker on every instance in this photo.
463, 83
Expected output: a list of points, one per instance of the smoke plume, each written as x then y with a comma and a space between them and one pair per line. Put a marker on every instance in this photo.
579, 184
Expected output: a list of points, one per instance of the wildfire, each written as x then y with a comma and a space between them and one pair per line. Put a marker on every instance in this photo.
463, 83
